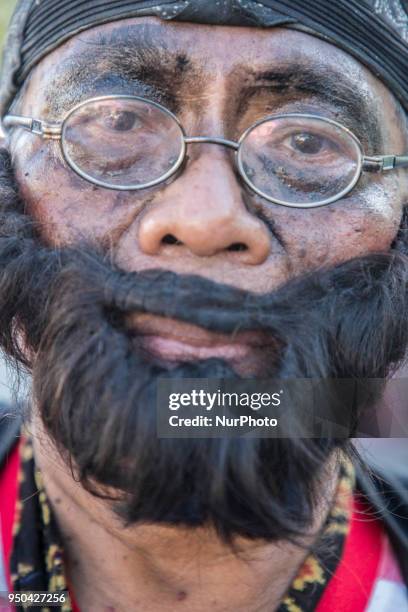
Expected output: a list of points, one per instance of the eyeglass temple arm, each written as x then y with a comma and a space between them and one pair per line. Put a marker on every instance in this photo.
385, 162
46, 130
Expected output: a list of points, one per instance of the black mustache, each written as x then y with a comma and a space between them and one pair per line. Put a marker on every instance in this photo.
330, 304
220, 307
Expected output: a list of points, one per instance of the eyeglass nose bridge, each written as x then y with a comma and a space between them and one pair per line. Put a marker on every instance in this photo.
216, 141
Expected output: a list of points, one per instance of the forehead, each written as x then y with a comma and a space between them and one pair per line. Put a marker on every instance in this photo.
185, 49
204, 41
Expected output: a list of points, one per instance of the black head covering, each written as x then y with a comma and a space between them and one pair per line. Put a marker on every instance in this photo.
374, 31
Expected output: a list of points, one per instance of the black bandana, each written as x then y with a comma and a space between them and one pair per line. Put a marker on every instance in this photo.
374, 31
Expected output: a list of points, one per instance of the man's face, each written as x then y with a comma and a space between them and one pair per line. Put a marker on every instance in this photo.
218, 81
93, 376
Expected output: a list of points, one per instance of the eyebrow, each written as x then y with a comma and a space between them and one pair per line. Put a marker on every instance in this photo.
330, 87
121, 60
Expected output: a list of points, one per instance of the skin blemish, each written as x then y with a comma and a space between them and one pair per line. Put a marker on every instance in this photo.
181, 596
302, 253
182, 63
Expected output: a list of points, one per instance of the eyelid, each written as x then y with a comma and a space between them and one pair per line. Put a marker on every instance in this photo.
314, 106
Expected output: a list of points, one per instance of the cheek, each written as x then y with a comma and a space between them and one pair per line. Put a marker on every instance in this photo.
365, 223
68, 207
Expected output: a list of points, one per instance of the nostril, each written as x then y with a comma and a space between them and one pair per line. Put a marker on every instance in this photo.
238, 247
170, 239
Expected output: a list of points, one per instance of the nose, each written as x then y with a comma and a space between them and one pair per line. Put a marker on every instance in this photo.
204, 211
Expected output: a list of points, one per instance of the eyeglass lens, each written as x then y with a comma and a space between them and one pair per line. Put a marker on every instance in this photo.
300, 159
122, 141
292, 159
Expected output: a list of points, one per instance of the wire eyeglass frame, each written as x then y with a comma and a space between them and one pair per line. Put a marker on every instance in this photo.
56, 131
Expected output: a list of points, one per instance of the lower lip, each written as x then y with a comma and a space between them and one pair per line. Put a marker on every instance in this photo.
175, 351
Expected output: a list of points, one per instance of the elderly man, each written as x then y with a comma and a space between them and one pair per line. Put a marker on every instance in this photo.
185, 198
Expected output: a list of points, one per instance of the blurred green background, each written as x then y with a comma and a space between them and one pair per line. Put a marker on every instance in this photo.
6, 8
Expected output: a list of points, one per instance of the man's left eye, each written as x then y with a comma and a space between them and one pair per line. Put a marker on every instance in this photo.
122, 121
309, 144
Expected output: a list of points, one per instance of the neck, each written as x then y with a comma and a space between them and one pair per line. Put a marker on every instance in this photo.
163, 569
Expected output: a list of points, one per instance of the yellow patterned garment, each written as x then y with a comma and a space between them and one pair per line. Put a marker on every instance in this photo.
37, 561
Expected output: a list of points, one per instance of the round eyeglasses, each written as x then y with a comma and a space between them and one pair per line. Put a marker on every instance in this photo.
128, 143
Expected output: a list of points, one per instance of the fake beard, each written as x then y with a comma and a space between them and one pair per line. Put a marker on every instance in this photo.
95, 390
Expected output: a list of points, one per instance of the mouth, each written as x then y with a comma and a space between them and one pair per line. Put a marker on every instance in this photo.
172, 342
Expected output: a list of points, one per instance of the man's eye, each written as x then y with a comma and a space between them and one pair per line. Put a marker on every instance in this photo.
309, 144
122, 121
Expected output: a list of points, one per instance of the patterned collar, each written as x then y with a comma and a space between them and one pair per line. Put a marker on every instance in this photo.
37, 561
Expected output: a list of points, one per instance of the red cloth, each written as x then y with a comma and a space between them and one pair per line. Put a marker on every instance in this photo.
8, 497
351, 586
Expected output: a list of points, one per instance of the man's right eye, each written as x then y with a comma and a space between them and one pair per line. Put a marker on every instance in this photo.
307, 143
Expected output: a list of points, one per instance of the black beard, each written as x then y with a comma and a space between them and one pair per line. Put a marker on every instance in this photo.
95, 391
